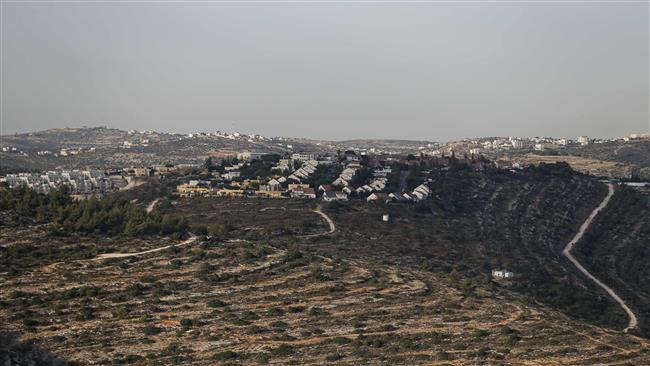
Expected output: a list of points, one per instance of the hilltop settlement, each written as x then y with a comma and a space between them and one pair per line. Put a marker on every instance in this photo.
302, 175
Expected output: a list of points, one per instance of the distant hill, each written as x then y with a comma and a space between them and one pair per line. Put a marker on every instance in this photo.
107, 147
66, 137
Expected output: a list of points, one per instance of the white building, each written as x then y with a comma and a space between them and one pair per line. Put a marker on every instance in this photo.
303, 156
501, 273
583, 140
249, 155
518, 144
231, 175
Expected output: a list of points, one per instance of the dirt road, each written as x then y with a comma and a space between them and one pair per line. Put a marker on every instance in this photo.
151, 206
567, 253
329, 221
125, 255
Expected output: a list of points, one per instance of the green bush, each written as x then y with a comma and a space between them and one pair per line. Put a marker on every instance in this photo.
186, 322
150, 329
226, 355
283, 350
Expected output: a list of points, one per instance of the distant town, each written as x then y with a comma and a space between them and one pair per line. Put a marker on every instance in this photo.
474, 146
365, 173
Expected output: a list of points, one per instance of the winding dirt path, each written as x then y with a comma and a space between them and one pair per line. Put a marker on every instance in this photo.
125, 255
151, 206
567, 253
329, 221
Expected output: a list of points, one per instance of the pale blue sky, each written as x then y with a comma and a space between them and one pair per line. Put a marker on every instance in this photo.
434, 71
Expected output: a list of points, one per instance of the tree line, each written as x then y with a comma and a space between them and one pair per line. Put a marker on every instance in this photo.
110, 216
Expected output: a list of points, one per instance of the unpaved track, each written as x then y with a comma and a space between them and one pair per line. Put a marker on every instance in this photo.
329, 221
151, 206
125, 255
567, 253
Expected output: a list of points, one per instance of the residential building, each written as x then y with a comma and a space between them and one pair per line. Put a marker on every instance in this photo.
518, 144
303, 193
250, 155
330, 196
303, 156
378, 196
501, 274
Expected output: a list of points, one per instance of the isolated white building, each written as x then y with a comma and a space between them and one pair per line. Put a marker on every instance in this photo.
502, 273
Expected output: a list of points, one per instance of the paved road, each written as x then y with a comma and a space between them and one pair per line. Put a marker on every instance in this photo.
567, 253
125, 255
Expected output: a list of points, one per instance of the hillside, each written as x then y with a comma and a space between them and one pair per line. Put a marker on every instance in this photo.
636, 152
104, 147
616, 249
619, 159
483, 221
271, 284
66, 137
247, 302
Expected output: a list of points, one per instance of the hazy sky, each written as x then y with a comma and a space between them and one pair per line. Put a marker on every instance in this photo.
433, 71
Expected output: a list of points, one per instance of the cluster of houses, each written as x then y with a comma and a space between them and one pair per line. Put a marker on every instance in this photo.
84, 182
79, 181
290, 178
420, 193
489, 146
308, 168
44, 153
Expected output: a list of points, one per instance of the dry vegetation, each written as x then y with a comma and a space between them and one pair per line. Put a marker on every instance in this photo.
259, 294
584, 164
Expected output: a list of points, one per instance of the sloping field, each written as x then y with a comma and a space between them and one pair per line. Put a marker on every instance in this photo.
241, 302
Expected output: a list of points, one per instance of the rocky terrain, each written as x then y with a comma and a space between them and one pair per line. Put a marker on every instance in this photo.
225, 301
268, 281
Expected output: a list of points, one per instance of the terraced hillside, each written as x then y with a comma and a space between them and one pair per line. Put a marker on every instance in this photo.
482, 221
272, 284
247, 302
617, 249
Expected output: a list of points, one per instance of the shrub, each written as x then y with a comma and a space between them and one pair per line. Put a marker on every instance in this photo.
263, 358
226, 355
481, 333
216, 303
185, 322
341, 340
279, 324
150, 329
86, 313
275, 311
296, 309
334, 357
283, 350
